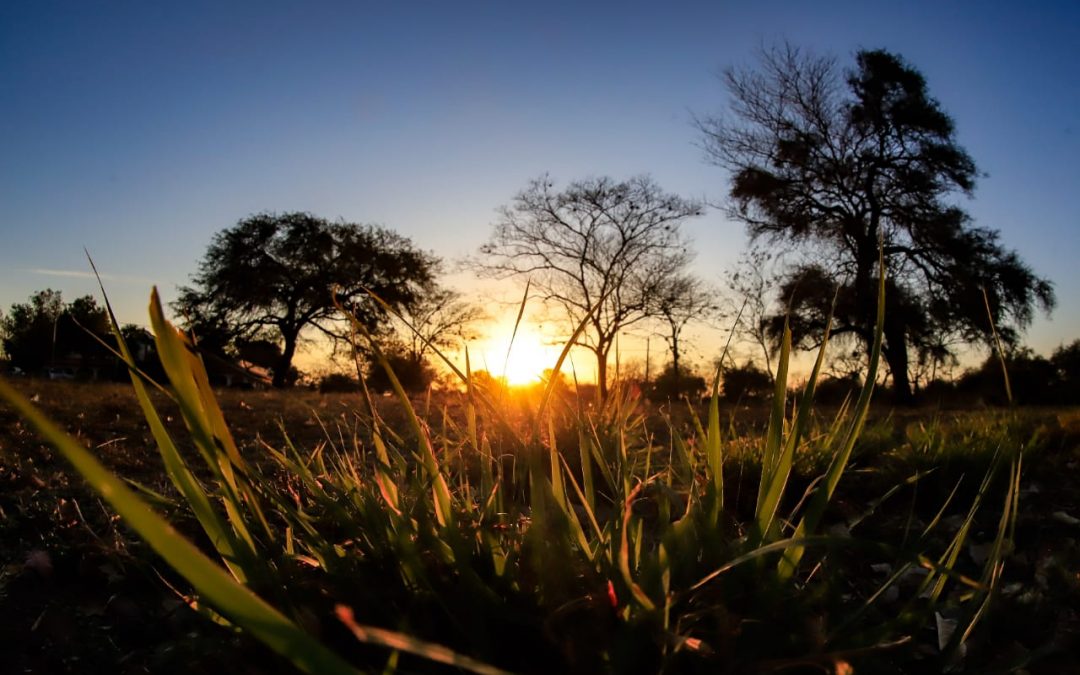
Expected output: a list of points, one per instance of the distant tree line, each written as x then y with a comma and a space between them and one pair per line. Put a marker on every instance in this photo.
46, 331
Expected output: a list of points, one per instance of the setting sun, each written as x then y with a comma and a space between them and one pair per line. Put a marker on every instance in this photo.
530, 355
529, 358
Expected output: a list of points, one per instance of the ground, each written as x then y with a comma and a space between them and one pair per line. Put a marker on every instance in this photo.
78, 593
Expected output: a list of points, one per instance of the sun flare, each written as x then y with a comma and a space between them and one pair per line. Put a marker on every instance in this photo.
529, 358
530, 355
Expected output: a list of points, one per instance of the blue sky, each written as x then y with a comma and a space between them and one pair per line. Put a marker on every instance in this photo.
139, 129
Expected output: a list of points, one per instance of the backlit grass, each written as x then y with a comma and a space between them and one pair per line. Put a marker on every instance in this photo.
562, 538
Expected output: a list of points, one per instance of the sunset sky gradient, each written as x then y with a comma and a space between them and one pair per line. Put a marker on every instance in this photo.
139, 129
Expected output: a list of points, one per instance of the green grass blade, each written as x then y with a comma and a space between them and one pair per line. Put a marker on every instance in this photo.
816, 508
624, 554
781, 472
189, 382
440, 489
714, 453
233, 553
589, 512
774, 434
235, 601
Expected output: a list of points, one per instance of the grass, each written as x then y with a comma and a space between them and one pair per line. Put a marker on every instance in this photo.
544, 536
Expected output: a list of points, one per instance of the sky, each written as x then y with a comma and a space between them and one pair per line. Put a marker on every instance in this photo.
137, 130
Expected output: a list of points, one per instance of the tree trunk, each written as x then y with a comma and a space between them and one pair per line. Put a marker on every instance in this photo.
601, 373
675, 358
284, 364
895, 352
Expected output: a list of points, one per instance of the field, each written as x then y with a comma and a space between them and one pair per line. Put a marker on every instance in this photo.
494, 536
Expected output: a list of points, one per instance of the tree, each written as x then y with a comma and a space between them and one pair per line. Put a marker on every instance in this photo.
599, 249
30, 329
1066, 361
837, 165
37, 333
680, 300
275, 276
413, 373
1032, 379
674, 382
439, 318
751, 283
258, 352
746, 382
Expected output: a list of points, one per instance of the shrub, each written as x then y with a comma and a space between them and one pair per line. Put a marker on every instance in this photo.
746, 383
338, 383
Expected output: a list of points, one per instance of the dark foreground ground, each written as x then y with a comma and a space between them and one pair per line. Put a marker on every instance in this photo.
79, 594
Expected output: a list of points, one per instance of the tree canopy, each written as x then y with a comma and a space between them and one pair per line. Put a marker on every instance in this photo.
599, 249
837, 164
37, 333
274, 276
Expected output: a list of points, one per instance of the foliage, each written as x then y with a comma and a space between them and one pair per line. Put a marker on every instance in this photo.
338, 383
835, 390
1033, 379
746, 383
672, 384
275, 276
262, 353
1066, 362
414, 372
681, 300
839, 165
37, 333
600, 250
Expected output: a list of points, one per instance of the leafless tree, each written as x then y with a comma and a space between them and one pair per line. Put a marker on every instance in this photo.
752, 285
682, 300
440, 319
599, 250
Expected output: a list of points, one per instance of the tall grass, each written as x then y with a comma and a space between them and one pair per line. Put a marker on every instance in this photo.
580, 540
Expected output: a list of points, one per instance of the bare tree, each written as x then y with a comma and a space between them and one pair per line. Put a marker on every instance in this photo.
683, 299
439, 319
752, 283
599, 249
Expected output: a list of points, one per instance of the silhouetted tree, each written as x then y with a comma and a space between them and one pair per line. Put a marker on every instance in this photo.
598, 244
338, 383
277, 275
39, 332
1066, 362
752, 284
414, 374
680, 300
838, 164
1032, 379
675, 382
746, 382
834, 390
259, 352
439, 318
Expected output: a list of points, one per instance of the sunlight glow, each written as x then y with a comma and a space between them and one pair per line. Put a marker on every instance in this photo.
532, 353
529, 358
